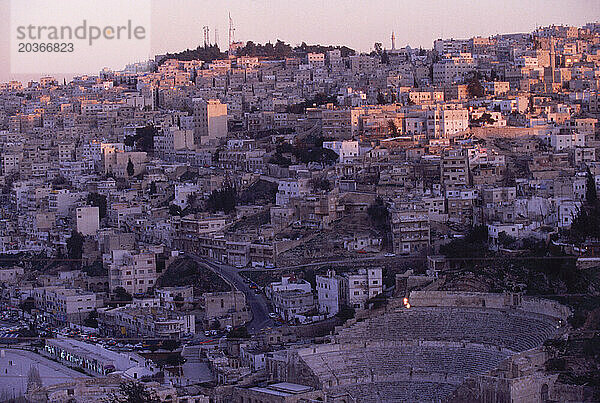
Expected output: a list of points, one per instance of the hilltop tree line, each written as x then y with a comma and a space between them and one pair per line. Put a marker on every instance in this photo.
279, 50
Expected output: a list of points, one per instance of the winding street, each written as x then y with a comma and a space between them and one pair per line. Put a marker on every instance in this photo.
257, 303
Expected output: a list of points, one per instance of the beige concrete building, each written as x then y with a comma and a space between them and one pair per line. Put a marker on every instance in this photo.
229, 308
410, 228
209, 120
133, 271
130, 321
65, 304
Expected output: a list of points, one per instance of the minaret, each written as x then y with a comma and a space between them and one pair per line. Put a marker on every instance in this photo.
393, 41
552, 57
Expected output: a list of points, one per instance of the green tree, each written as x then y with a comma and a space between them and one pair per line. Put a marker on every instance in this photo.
121, 295
240, 332
320, 184
346, 312
134, 392
475, 88
178, 301
92, 319
392, 128
27, 305
222, 200
385, 58
98, 200
379, 214
591, 196
170, 344
378, 48
75, 246
34, 380
130, 168
586, 223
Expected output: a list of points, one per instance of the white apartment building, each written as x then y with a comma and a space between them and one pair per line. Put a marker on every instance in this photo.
357, 288
88, 220
145, 322
347, 150
340, 123
11, 162
290, 303
453, 69
289, 189
171, 297
442, 123
567, 211
10, 275
182, 193
329, 292
172, 139
287, 283
63, 201
444, 46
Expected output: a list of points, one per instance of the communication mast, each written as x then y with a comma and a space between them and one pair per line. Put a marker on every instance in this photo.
231, 31
206, 35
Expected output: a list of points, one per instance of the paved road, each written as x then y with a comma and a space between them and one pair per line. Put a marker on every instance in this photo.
257, 303
378, 257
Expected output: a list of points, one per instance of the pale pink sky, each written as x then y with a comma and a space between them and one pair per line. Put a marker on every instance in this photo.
177, 24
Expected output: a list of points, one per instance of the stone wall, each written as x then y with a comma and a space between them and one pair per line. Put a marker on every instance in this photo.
458, 299
488, 300
545, 307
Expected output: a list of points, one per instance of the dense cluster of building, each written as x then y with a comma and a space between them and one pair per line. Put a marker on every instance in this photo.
263, 162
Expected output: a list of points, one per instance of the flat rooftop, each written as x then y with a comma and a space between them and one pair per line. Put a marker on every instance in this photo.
15, 365
92, 351
283, 389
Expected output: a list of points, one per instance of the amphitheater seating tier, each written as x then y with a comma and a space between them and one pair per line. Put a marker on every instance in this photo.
514, 330
398, 392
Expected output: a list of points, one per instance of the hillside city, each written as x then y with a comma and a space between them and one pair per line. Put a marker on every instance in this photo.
295, 224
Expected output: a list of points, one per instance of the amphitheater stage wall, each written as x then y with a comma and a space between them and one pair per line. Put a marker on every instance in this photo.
488, 300
458, 299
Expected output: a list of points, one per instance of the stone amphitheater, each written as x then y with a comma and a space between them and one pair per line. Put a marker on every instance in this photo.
423, 353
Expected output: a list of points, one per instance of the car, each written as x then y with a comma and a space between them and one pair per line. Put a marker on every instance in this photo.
389, 255
273, 315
